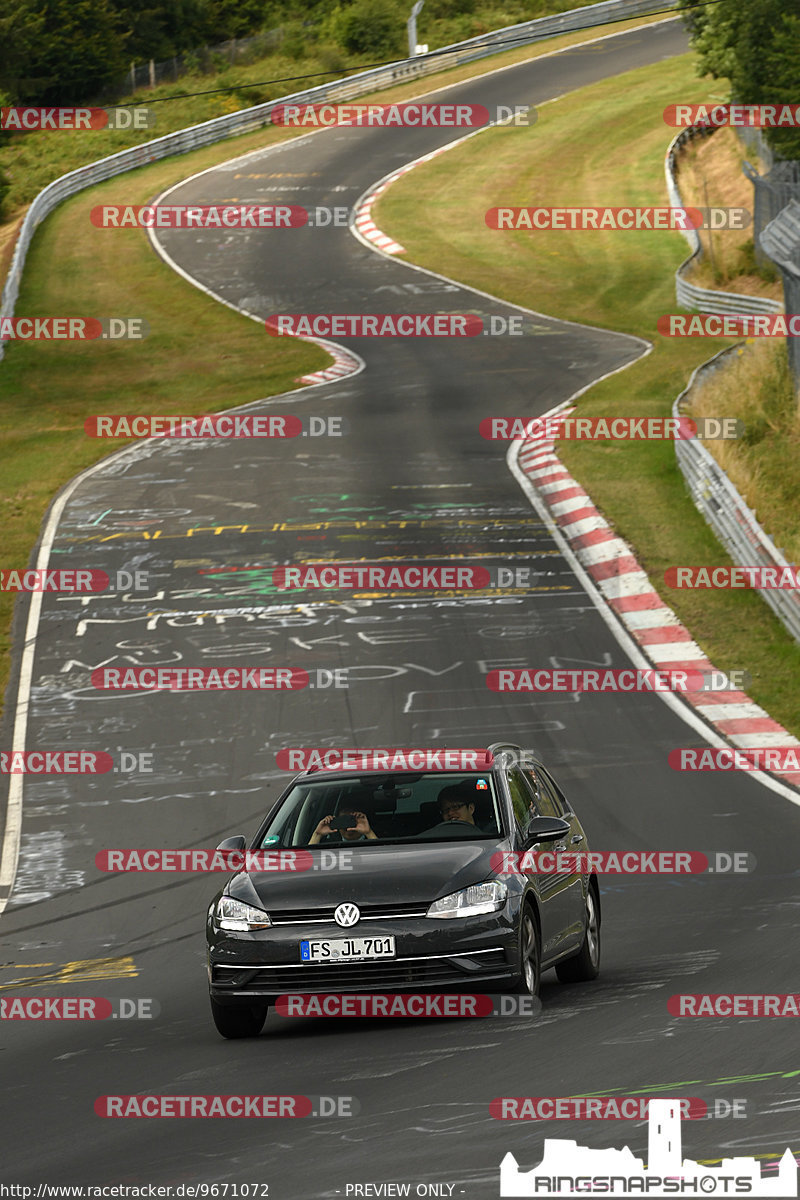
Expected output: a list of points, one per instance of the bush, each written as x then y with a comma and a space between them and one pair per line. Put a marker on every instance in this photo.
376, 28
331, 59
5, 187
294, 43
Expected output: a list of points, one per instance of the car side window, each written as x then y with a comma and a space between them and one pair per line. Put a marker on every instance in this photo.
547, 802
521, 798
555, 790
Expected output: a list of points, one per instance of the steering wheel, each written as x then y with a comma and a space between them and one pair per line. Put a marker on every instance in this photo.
445, 827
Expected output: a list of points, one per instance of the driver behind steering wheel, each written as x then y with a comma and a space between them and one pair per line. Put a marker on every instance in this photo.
456, 803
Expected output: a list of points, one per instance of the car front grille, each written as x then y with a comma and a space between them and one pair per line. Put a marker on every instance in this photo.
324, 915
382, 975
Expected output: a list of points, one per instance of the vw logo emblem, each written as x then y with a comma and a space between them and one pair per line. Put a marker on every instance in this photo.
346, 915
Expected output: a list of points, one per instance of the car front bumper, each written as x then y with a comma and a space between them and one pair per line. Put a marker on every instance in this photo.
465, 954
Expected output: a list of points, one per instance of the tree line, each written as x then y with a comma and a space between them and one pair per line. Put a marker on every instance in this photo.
68, 51
756, 45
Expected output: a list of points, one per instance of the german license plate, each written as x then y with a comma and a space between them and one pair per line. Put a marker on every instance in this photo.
355, 949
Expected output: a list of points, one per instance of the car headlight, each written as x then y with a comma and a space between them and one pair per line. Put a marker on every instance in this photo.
233, 914
472, 901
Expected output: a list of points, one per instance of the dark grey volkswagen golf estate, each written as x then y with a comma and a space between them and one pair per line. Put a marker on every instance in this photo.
400, 884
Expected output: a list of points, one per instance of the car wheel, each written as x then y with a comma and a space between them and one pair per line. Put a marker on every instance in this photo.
586, 963
530, 958
233, 1021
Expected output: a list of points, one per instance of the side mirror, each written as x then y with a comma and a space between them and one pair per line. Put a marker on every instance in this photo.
546, 829
233, 843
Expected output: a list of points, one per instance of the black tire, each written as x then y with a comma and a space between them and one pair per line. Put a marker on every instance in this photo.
530, 956
234, 1021
585, 964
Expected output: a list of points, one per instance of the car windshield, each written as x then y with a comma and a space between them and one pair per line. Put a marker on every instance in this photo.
376, 809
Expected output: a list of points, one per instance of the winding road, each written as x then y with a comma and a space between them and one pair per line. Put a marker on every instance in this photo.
207, 520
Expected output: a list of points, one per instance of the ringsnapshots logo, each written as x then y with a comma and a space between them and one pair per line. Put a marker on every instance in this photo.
567, 1169
408, 115
618, 218
218, 425
610, 429
26, 120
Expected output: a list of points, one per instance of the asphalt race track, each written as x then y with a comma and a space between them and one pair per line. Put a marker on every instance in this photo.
411, 478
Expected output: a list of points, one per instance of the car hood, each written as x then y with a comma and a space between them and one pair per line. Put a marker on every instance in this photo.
379, 875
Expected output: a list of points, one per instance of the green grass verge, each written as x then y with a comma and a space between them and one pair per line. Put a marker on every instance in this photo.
200, 356
602, 145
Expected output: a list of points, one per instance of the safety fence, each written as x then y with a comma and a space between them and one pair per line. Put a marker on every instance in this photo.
725, 510
689, 295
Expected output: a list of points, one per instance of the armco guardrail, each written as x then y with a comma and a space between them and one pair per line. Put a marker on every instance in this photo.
249, 119
726, 512
712, 492
687, 294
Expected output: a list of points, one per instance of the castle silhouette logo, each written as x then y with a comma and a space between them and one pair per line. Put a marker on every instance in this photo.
568, 1169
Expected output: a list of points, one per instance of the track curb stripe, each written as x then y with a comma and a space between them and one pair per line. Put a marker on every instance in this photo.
626, 588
